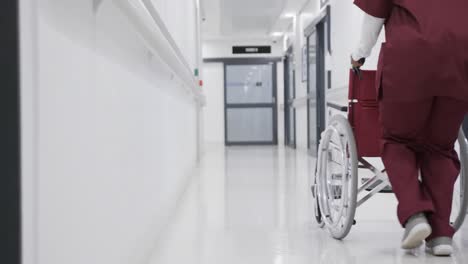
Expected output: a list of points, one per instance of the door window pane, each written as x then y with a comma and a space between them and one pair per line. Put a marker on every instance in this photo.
249, 84
249, 124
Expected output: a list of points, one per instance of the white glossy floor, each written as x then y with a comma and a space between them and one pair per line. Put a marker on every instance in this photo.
251, 205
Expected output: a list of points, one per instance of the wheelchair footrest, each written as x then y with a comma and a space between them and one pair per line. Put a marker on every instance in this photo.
387, 189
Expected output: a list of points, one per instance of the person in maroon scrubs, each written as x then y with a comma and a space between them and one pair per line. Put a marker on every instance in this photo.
422, 82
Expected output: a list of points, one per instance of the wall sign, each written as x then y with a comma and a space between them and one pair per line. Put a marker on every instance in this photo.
251, 49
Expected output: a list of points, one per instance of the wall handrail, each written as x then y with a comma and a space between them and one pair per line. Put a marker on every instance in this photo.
154, 33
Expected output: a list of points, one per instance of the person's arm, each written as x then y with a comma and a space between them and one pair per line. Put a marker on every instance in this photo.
371, 28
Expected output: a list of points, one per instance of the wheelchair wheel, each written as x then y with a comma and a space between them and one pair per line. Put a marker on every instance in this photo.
337, 177
460, 196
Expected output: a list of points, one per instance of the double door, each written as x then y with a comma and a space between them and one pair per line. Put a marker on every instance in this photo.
250, 103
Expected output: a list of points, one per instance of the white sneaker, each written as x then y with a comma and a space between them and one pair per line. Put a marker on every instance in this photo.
440, 246
417, 229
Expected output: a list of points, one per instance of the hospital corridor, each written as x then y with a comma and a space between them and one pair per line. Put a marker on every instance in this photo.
233, 132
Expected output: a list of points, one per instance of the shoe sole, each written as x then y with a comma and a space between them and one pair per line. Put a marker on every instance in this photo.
416, 236
441, 250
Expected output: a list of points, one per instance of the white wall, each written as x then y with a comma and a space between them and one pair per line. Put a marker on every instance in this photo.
183, 30
112, 133
213, 113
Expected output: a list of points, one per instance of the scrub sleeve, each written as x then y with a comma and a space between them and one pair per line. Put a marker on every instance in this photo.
380, 9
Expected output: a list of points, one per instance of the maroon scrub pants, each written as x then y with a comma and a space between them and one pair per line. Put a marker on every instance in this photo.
420, 137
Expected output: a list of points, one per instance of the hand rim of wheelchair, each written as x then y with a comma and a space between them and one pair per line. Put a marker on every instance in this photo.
338, 225
320, 201
315, 203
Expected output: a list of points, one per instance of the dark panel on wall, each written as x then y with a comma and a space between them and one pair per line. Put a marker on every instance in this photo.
10, 220
241, 60
251, 49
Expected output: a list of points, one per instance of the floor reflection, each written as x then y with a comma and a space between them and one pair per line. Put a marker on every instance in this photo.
252, 205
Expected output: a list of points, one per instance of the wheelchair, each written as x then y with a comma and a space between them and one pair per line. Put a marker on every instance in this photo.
347, 148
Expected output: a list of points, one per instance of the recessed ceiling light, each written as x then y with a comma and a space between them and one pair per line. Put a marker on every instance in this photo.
289, 15
277, 34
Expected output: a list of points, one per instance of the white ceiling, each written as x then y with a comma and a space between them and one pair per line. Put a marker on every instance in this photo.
247, 18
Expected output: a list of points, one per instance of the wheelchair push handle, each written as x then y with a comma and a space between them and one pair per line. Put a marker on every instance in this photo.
357, 70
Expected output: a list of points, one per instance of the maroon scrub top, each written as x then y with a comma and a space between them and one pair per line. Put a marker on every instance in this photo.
426, 49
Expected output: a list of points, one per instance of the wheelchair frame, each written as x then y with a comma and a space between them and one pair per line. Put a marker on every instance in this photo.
341, 183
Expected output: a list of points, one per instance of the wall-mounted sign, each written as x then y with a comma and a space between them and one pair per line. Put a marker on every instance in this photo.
323, 3
251, 49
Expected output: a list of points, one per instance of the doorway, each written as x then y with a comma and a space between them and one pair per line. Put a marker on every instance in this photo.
250, 102
317, 37
289, 96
